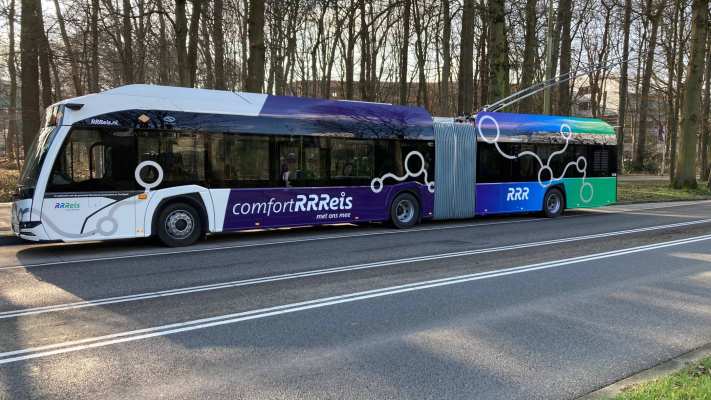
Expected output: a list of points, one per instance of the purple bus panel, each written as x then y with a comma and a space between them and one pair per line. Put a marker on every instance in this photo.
277, 207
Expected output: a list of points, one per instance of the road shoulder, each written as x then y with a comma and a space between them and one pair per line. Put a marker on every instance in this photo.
660, 371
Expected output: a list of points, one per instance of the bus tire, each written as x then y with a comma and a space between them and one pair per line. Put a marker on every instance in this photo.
405, 211
553, 203
179, 224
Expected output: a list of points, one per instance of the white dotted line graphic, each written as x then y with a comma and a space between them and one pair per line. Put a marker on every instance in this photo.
377, 184
581, 164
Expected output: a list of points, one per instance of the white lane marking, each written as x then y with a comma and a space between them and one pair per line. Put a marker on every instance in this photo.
326, 271
203, 323
588, 213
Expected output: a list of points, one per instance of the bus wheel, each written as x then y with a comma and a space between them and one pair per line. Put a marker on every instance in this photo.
553, 203
404, 211
179, 224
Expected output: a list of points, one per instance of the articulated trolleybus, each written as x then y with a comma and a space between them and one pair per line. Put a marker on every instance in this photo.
178, 163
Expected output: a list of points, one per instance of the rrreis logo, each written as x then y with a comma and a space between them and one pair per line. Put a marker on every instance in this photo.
302, 203
67, 205
104, 122
517, 194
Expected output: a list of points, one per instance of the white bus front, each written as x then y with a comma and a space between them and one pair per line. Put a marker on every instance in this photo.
74, 185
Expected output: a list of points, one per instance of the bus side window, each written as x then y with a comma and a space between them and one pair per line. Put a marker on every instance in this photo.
289, 150
315, 157
492, 166
352, 160
238, 160
180, 154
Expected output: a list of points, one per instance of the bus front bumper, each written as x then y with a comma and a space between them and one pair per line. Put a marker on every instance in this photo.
24, 229
31, 231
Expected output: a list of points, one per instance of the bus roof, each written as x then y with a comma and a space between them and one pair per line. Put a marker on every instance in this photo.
510, 127
225, 111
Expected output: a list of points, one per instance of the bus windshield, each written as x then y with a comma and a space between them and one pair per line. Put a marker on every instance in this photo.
35, 156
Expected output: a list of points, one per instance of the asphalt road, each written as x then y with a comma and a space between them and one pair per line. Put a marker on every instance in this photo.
496, 308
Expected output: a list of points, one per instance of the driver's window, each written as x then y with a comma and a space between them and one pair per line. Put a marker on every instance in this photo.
95, 160
76, 154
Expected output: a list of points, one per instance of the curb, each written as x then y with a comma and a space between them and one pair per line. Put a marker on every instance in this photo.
624, 203
668, 367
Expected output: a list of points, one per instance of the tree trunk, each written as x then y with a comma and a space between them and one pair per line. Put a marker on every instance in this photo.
706, 119
181, 35
466, 60
56, 78
44, 63
365, 64
255, 63
623, 86
193, 36
552, 48
446, 58
528, 67
30, 42
314, 52
219, 42
481, 84
671, 96
498, 52
76, 76
206, 54
565, 12
350, 51
407, 6
679, 88
12, 71
127, 62
638, 159
163, 70
421, 55
139, 69
691, 102
330, 57
94, 68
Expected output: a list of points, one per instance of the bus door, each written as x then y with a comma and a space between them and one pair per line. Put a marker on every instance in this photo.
91, 193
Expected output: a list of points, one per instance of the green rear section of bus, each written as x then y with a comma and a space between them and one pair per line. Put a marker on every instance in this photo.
600, 192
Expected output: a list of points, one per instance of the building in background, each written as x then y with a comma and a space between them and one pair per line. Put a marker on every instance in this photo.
606, 107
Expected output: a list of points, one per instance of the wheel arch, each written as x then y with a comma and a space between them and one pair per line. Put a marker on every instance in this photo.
193, 199
561, 187
414, 193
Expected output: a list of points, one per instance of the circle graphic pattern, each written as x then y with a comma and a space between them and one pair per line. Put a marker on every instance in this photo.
580, 164
377, 184
145, 185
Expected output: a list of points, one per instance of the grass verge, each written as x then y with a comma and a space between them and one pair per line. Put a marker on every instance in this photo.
647, 191
693, 382
8, 181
